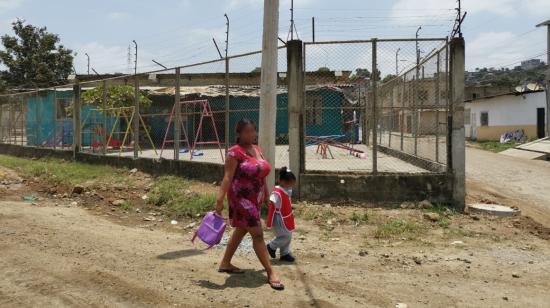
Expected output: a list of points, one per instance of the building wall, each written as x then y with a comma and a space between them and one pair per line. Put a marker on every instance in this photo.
507, 113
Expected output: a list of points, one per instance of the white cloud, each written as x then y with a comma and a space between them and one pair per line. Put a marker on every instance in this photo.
497, 49
117, 16
9, 4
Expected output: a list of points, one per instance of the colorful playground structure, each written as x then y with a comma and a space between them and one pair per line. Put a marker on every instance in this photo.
324, 143
206, 114
99, 119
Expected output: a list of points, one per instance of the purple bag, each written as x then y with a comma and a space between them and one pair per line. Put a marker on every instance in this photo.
211, 230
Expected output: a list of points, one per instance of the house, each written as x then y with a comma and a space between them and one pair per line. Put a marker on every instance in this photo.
327, 109
490, 117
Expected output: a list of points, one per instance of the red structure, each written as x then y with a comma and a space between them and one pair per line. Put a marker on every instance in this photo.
206, 115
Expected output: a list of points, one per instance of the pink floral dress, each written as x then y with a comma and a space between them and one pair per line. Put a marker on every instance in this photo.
246, 194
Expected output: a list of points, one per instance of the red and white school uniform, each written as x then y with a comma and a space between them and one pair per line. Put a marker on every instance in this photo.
284, 209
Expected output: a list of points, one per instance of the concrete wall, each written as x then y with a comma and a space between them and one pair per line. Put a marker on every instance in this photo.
507, 113
315, 186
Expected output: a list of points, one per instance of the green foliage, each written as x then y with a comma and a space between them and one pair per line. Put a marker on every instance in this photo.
388, 78
172, 195
323, 69
397, 227
496, 146
363, 218
34, 58
117, 96
59, 171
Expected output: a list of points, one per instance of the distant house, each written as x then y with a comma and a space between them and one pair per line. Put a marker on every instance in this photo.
490, 117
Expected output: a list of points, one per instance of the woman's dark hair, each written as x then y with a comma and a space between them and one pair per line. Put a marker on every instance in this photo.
286, 175
241, 125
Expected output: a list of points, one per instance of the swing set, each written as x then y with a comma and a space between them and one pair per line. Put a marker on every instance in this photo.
205, 114
101, 140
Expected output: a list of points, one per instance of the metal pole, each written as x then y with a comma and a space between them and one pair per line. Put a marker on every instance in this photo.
415, 94
77, 136
268, 99
374, 110
104, 114
177, 118
437, 98
313, 28
227, 97
403, 111
137, 115
136, 59
397, 61
54, 132
88, 63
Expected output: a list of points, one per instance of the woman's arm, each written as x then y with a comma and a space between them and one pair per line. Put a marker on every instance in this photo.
229, 171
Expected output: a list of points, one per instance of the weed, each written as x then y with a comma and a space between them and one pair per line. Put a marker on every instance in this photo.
397, 227
495, 146
356, 218
126, 205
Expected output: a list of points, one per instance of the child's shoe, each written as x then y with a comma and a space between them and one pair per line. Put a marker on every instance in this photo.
288, 258
272, 252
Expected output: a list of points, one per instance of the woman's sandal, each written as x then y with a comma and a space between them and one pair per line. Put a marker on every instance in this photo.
276, 285
231, 270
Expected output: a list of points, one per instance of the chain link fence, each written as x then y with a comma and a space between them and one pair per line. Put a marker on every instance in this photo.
369, 106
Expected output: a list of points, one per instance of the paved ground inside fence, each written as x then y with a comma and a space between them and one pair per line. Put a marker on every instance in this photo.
340, 160
81, 252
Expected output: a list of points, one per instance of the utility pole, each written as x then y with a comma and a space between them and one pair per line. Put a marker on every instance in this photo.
136, 59
417, 47
313, 27
227, 97
88, 63
397, 61
268, 98
292, 24
459, 10
547, 24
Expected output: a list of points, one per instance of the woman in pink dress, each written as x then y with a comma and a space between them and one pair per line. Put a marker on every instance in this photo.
246, 190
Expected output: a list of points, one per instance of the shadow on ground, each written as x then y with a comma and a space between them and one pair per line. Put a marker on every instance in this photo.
172, 255
250, 279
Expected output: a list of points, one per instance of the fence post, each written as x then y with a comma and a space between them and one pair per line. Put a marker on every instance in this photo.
136, 118
437, 102
227, 101
295, 82
104, 116
177, 119
2, 124
77, 131
458, 163
374, 76
402, 119
54, 131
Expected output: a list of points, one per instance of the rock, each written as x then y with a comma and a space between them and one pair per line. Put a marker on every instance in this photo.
133, 171
74, 203
52, 190
144, 197
77, 190
174, 222
363, 253
457, 243
150, 218
425, 205
515, 275
191, 225
432, 216
474, 217
302, 238
322, 255
407, 205
417, 260
401, 305
118, 202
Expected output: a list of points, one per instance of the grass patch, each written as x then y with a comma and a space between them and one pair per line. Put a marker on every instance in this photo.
360, 218
172, 194
315, 213
495, 146
57, 171
398, 227
445, 213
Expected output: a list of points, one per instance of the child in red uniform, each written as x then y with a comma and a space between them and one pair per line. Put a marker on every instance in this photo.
280, 216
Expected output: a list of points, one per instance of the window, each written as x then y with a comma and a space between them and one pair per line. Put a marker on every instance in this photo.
314, 110
63, 106
484, 118
474, 96
467, 117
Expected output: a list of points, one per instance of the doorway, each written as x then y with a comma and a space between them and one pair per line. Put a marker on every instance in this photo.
540, 123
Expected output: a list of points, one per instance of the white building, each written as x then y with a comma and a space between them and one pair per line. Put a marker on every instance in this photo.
490, 117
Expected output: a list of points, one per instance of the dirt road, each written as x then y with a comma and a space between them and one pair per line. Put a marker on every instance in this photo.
513, 181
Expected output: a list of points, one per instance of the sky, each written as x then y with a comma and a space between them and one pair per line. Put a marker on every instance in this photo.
498, 33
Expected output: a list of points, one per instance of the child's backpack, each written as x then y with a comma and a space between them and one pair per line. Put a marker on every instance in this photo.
211, 230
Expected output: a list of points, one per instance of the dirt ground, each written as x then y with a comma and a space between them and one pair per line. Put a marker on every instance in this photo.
78, 251
511, 181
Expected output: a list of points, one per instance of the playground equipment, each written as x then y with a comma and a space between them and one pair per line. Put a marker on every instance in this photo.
178, 119
324, 143
99, 137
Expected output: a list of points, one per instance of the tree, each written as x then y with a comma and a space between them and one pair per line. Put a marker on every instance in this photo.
388, 78
34, 57
117, 96
323, 69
